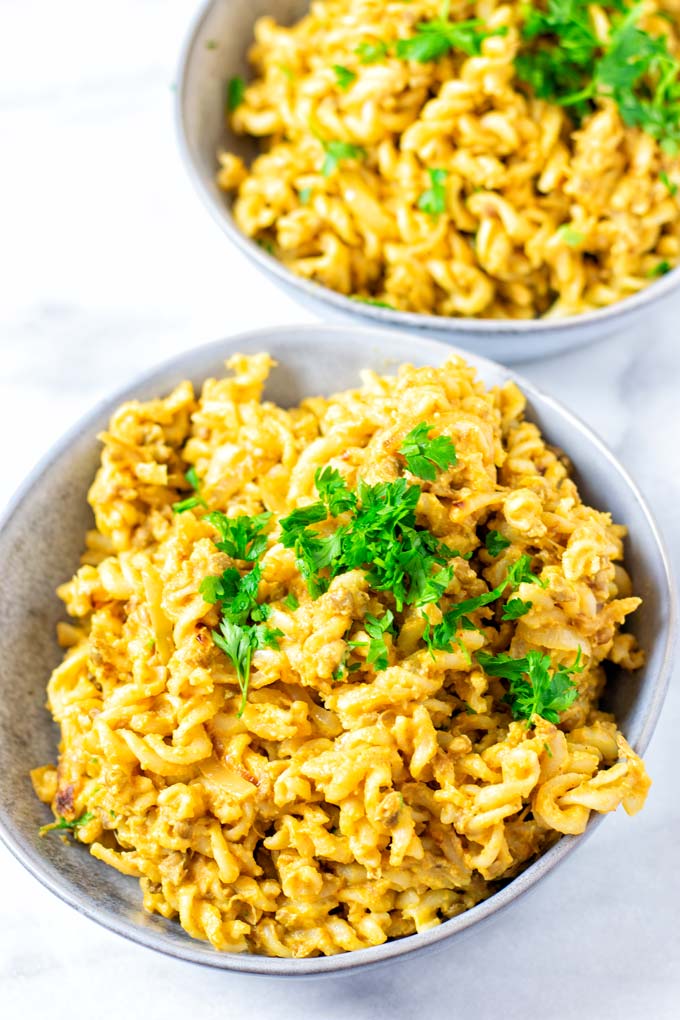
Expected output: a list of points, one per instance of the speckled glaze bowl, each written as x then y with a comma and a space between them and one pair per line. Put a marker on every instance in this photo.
216, 51
41, 537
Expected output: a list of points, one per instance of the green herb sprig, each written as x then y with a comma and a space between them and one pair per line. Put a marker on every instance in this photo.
426, 457
69, 826
535, 689
191, 502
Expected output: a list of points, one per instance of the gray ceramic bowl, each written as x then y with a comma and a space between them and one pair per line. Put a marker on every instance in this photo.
41, 537
216, 51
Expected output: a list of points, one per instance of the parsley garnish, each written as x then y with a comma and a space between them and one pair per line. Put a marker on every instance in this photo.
372, 52
372, 301
192, 501
660, 269
670, 185
333, 491
570, 236
338, 151
240, 537
291, 601
442, 636
379, 537
495, 543
236, 88
343, 76
564, 61
426, 457
304, 195
64, 824
377, 655
534, 689
514, 608
433, 201
242, 628
436, 38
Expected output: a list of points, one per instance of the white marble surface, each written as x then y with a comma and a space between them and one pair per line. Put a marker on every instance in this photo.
108, 264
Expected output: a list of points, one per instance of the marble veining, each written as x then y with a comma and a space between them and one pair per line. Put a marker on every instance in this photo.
108, 265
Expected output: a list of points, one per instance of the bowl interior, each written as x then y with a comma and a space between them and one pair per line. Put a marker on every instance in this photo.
40, 544
216, 51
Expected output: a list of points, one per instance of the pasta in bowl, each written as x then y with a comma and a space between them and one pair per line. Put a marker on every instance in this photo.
460, 159
332, 671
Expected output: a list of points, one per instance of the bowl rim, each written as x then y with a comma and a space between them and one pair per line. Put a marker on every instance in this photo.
222, 215
195, 951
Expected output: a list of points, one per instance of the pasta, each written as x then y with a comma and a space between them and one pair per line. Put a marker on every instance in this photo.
445, 185
371, 777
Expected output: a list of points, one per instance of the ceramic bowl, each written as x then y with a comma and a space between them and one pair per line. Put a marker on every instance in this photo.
215, 52
41, 537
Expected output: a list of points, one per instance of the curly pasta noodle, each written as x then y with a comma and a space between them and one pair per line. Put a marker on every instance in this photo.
335, 813
540, 218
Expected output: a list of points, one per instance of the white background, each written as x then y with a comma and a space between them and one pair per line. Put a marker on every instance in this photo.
108, 264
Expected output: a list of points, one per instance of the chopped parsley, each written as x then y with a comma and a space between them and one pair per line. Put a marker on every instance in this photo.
380, 536
426, 457
564, 61
336, 152
377, 655
236, 88
670, 185
343, 76
442, 636
660, 269
191, 502
304, 195
570, 236
240, 537
373, 301
495, 543
433, 200
291, 602
514, 608
534, 689
436, 38
242, 628
372, 52
62, 824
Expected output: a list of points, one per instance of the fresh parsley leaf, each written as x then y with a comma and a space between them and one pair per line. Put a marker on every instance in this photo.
193, 479
304, 195
433, 201
534, 689
564, 61
238, 643
495, 543
436, 38
372, 301
660, 269
377, 649
236, 88
372, 52
670, 185
520, 573
514, 608
333, 491
190, 503
426, 457
63, 824
336, 152
240, 537
343, 76
570, 236
291, 601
